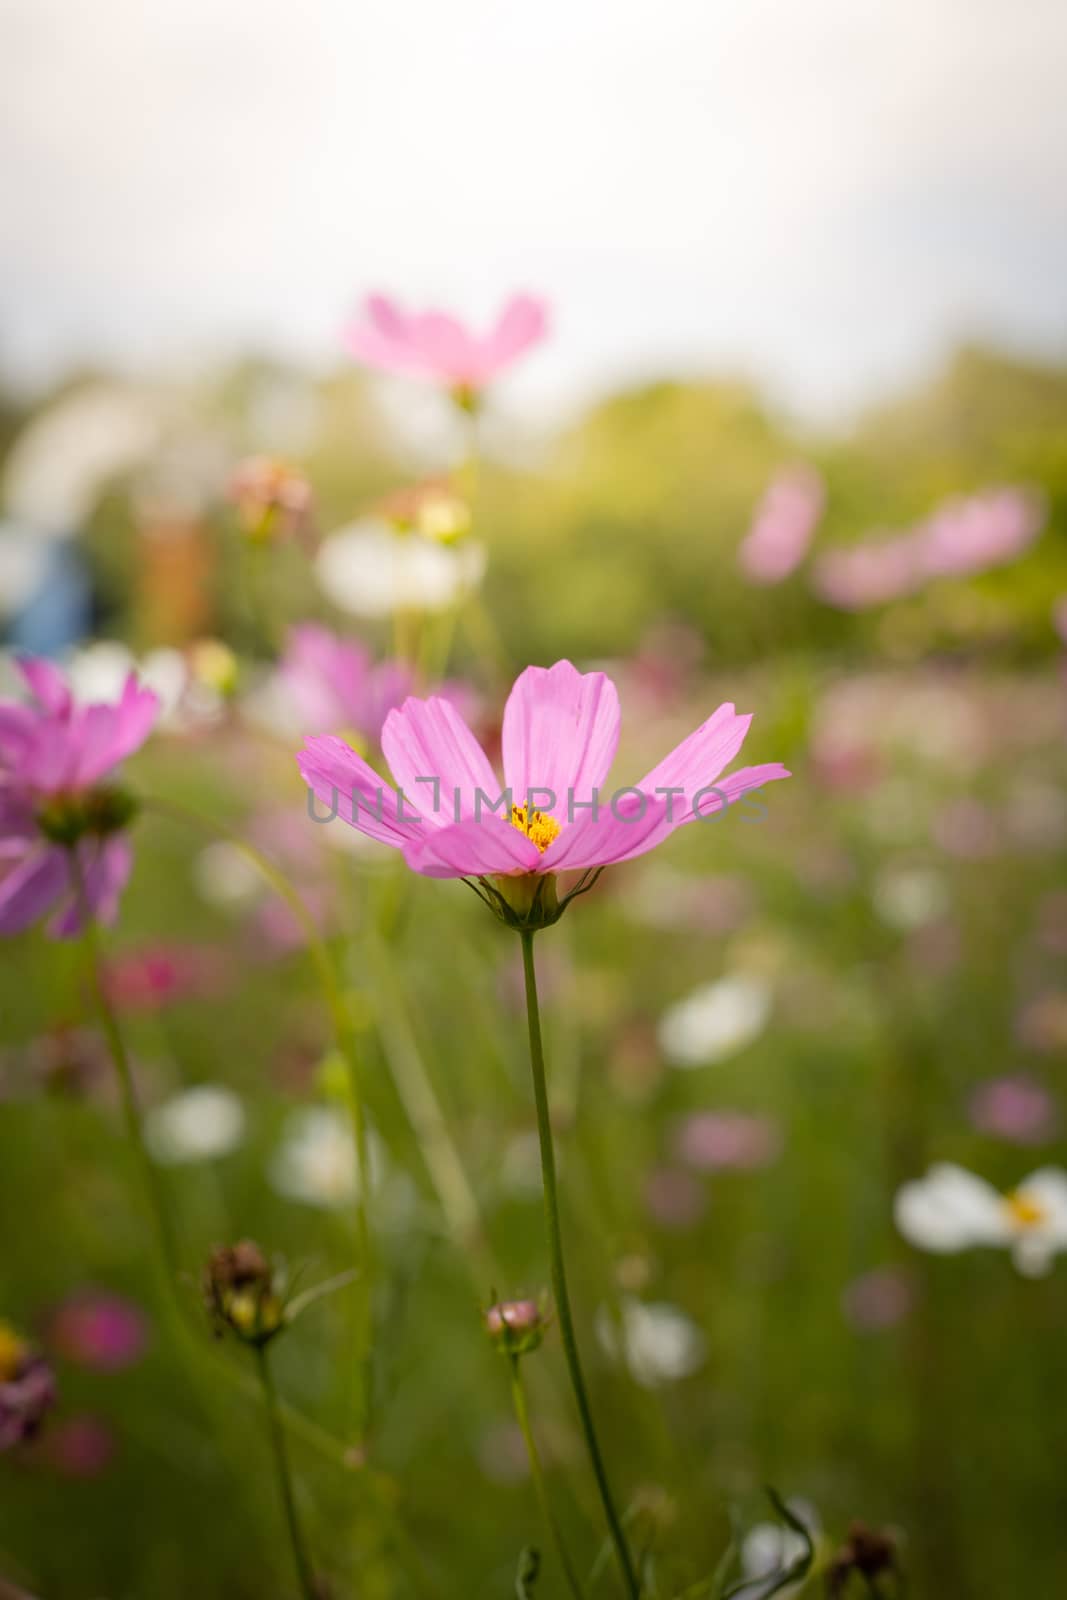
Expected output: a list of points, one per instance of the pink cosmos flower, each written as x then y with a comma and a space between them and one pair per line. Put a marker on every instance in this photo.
103, 1332
80, 1447
55, 762
432, 344
963, 536
1017, 1108
336, 684
450, 818
783, 527
718, 1141
154, 977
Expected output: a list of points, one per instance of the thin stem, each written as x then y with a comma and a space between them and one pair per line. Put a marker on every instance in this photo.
559, 1278
109, 1023
344, 1032
522, 1416
308, 1586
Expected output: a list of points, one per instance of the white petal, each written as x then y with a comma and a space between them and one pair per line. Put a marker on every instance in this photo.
369, 571
197, 1125
715, 1021
1033, 1255
1047, 1188
949, 1210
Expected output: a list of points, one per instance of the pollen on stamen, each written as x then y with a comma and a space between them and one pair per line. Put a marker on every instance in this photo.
1024, 1211
537, 827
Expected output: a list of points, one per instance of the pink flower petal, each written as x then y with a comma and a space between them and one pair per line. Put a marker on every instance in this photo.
31, 887
105, 866
609, 837
46, 683
698, 760
522, 323
342, 780
437, 761
472, 849
560, 733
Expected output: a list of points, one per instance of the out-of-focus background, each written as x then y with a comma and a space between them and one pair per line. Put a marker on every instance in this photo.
798, 439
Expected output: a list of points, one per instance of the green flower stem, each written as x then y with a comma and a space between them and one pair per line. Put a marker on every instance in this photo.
308, 1587
343, 1029
558, 1272
333, 997
109, 1023
522, 1416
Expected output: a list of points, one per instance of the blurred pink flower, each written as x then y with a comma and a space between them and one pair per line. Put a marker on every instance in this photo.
963, 536
1017, 1108
101, 1331
337, 686
784, 525
27, 1389
858, 576
561, 728
1042, 1022
675, 1199
716, 1141
273, 500
151, 978
432, 344
878, 1299
966, 828
55, 760
79, 1447
979, 531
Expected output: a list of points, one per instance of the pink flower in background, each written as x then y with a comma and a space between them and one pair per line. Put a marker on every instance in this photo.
784, 526
80, 1447
878, 1299
675, 1199
980, 531
1015, 1108
273, 500
27, 1389
560, 732
149, 979
55, 762
963, 536
871, 574
101, 1331
336, 685
432, 344
717, 1141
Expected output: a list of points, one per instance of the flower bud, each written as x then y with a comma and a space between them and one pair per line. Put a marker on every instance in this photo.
869, 1553
242, 1293
27, 1389
515, 1326
273, 500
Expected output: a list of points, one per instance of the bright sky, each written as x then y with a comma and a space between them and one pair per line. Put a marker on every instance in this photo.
824, 193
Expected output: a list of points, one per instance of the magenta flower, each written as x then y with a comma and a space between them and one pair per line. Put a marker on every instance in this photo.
335, 683
1016, 1108
27, 1389
103, 1332
55, 799
432, 344
783, 527
450, 817
718, 1141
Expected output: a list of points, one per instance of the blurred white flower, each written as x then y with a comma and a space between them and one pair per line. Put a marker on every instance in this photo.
768, 1547
196, 1125
316, 1160
715, 1021
99, 671
370, 571
659, 1343
951, 1209
64, 458
909, 897
225, 877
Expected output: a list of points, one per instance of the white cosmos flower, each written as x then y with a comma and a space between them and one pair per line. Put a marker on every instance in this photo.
715, 1021
906, 898
952, 1209
659, 1343
196, 1125
316, 1160
369, 570
768, 1547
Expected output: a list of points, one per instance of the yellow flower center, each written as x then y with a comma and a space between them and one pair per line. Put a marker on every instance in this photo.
1024, 1211
536, 826
12, 1352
